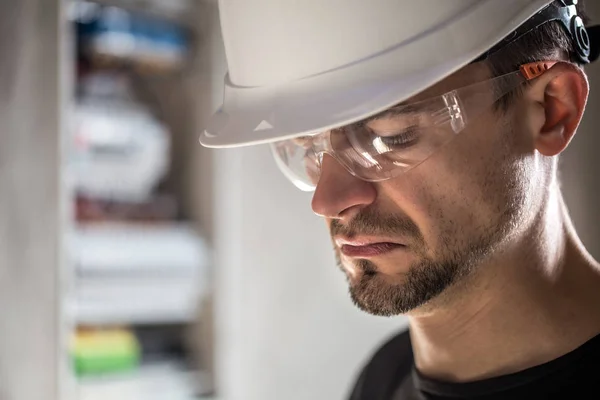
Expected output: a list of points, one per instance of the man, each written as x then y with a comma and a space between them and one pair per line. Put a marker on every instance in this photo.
430, 132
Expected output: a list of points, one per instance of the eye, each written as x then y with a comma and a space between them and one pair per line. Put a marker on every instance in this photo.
406, 138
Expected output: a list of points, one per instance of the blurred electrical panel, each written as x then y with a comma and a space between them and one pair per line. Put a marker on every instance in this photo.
142, 267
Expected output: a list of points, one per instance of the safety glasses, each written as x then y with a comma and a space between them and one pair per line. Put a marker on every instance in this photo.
375, 151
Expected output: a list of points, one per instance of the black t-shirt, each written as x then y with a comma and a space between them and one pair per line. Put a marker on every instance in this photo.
390, 375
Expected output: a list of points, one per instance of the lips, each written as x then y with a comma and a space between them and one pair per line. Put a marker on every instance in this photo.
357, 249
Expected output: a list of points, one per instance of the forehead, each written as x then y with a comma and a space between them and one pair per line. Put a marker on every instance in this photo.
468, 75
465, 76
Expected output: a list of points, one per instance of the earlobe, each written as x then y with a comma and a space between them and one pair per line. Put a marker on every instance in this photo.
563, 97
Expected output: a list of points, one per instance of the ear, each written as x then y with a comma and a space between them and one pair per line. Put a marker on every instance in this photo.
560, 96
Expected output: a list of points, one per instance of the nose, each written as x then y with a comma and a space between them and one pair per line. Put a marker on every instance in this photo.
339, 194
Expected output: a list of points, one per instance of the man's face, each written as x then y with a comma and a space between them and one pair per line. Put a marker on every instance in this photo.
435, 223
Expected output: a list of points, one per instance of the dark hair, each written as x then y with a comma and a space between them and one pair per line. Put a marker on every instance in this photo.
541, 44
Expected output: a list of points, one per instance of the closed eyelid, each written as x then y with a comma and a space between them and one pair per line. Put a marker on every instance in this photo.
408, 133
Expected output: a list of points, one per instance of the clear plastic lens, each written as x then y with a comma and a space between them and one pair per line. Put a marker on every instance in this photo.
384, 146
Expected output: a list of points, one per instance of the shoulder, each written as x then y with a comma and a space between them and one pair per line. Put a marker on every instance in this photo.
384, 371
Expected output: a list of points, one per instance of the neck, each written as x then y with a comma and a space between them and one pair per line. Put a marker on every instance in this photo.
542, 291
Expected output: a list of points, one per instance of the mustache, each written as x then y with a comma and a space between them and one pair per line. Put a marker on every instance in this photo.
371, 223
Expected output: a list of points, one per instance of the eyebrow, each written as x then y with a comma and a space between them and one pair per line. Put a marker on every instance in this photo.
398, 109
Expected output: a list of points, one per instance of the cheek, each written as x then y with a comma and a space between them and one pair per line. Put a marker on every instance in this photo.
442, 208
433, 202
459, 193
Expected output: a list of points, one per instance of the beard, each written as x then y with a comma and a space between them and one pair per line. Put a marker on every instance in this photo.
425, 279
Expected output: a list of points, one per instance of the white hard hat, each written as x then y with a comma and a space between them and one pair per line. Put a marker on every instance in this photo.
302, 66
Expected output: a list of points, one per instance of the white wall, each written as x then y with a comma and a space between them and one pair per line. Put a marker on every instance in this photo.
32, 199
